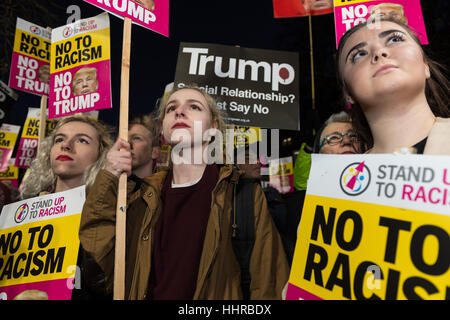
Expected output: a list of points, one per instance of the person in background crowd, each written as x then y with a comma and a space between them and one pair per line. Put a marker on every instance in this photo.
337, 136
144, 143
399, 97
178, 239
71, 156
8, 193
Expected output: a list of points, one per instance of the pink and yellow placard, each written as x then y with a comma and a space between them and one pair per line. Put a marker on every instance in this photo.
348, 13
39, 246
80, 72
30, 59
150, 14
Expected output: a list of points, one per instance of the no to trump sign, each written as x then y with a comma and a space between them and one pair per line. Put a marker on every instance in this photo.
374, 227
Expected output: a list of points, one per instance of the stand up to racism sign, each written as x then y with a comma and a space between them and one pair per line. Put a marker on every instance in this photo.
374, 227
255, 87
39, 246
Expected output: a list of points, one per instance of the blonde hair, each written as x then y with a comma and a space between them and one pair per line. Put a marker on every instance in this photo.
217, 115
41, 176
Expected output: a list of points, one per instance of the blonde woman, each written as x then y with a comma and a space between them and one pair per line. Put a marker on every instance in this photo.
179, 221
70, 157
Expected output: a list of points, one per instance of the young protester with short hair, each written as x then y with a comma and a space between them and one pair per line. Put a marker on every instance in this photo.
178, 233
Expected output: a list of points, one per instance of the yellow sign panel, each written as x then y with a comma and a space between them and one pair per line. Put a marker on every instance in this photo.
355, 250
31, 45
338, 3
39, 251
80, 50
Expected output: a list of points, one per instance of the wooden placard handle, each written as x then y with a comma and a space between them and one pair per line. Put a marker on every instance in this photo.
119, 259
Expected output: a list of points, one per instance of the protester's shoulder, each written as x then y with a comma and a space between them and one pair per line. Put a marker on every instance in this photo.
445, 121
157, 179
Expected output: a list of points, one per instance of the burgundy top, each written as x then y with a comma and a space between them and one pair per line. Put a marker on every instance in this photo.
178, 237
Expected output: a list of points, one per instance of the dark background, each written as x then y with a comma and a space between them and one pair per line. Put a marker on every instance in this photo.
247, 23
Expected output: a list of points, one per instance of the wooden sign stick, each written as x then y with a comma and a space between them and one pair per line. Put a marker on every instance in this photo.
313, 91
42, 121
119, 259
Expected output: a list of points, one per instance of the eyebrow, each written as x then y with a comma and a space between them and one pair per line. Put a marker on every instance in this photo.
189, 100
382, 35
77, 135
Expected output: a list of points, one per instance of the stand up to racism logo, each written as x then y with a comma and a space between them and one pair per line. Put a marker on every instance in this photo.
21, 213
355, 178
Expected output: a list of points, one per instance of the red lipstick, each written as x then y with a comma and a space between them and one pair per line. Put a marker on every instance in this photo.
180, 125
63, 157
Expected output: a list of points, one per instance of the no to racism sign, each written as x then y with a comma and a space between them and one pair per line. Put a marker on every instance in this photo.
80, 72
255, 87
30, 59
39, 246
374, 227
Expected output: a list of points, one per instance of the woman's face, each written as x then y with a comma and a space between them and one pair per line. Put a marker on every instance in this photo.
381, 61
75, 148
186, 109
346, 146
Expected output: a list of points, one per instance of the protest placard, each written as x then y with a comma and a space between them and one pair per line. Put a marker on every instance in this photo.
39, 246
374, 227
80, 72
29, 138
7, 98
8, 138
255, 87
301, 8
281, 174
146, 13
30, 59
11, 174
348, 13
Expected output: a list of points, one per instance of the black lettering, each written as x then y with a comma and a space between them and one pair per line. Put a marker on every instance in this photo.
341, 263
96, 53
411, 283
394, 226
357, 230
58, 61
8, 268
23, 47
32, 231
442, 263
4, 242
52, 262
41, 242
39, 264
320, 222
358, 282
27, 266
18, 273
317, 267
392, 284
